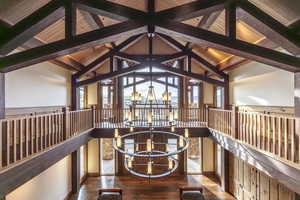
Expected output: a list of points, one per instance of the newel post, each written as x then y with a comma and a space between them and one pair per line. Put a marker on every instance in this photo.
207, 114
234, 122
94, 107
66, 111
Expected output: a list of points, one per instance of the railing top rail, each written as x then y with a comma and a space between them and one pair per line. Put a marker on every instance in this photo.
268, 115
219, 109
31, 116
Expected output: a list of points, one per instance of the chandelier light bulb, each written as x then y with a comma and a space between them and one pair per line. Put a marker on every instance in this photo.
131, 129
171, 116
116, 133
119, 142
175, 115
129, 163
129, 117
149, 145
137, 148
186, 132
181, 144
167, 147
170, 165
149, 168
172, 128
149, 117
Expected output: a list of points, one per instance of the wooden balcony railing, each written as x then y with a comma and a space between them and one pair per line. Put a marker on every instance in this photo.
23, 137
116, 118
275, 134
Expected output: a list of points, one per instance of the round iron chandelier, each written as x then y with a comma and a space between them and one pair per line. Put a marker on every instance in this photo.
150, 151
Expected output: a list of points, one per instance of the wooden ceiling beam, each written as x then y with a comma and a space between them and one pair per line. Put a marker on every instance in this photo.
295, 27
114, 74
205, 23
270, 27
70, 19
31, 25
66, 62
147, 57
192, 10
94, 65
206, 65
235, 61
235, 47
68, 46
112, 10
230, 20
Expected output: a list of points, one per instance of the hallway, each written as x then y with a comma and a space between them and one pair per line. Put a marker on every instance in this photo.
140, 189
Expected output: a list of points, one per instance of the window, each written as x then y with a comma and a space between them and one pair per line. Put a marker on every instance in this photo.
219, 101
82, 97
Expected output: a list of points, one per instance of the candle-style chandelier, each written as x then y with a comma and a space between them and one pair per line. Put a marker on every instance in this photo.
151, 158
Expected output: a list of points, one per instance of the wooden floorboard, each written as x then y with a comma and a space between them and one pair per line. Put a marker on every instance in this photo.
161, 189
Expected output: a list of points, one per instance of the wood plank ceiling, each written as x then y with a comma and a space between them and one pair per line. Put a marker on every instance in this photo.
286, 12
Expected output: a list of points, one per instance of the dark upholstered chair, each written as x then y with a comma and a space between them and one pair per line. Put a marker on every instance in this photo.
110, 194
191, 193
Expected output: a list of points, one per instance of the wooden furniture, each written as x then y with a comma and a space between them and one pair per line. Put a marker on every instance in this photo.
110, 194
183, 192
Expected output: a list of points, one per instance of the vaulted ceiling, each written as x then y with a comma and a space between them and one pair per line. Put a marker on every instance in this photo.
286, 12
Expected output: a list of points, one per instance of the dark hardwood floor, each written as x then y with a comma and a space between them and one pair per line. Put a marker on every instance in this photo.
141, 189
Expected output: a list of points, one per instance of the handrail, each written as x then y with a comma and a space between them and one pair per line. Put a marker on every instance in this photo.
23, 137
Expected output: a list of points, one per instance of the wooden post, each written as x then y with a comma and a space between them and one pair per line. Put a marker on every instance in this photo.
94, 107
225, 170
75, 171
74, 94
2, 95
66, 132
225, 94
297, 114
234, 122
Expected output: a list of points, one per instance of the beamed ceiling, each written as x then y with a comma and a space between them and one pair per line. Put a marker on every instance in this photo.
85, 35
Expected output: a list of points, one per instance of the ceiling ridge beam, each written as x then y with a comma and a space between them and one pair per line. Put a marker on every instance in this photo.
206, 65
93, 66
31, 25
192, 10
270, 27
235, 47
68, 46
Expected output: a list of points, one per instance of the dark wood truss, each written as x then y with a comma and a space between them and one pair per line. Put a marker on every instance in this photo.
135, 22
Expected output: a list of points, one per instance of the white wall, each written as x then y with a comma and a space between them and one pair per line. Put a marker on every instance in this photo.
259, 84
44, 84
92, 94
52, 184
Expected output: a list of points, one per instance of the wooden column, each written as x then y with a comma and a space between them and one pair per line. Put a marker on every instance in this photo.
74, 94
225, 153
297, 94
297, 109
225, 94
225, 170
75, 171
2, 95
99, 95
